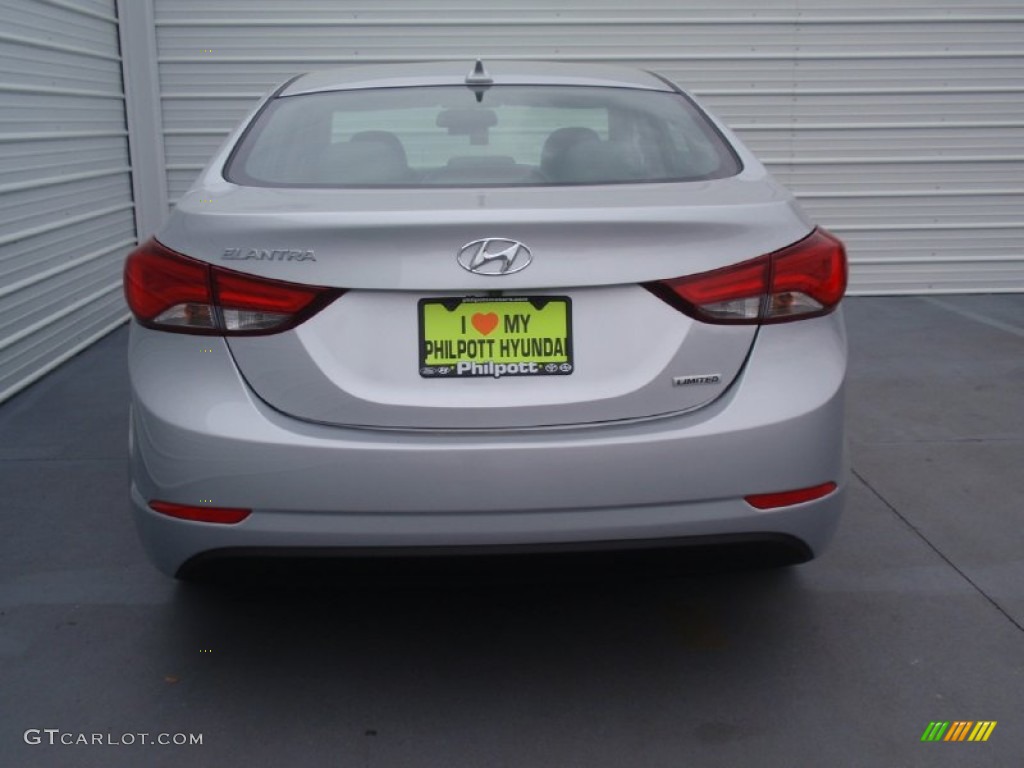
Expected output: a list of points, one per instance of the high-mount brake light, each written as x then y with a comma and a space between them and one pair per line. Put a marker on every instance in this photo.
805, 279
169, 291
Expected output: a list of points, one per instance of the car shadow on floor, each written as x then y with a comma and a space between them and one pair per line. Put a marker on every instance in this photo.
366, 626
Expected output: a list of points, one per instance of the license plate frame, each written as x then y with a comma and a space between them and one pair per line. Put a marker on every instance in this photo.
490, 337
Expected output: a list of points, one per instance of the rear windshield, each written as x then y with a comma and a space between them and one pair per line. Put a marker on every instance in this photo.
452, 136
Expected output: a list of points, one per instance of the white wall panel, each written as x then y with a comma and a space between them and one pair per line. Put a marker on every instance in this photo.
899, 123
66, 211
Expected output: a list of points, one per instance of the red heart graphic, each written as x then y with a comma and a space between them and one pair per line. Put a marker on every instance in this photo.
485, 323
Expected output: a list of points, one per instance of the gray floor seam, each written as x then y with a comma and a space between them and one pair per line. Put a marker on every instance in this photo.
65, 459
976, 316
917, 531
939, 441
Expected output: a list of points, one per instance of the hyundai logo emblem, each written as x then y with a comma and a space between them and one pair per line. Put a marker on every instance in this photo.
494, 256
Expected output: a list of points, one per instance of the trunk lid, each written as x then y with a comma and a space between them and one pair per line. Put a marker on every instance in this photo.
361, 361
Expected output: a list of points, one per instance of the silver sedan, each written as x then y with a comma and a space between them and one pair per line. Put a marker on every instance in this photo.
494, 306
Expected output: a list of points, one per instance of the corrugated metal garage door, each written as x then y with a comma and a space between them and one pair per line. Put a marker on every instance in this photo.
66, 213
899, 124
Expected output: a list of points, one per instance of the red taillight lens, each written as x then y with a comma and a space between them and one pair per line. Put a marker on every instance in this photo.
172, 292
165, 288
806, 279
788, 498
201, 514
729, 295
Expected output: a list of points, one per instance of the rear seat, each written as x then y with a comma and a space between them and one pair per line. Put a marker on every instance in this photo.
363, 162
597, 161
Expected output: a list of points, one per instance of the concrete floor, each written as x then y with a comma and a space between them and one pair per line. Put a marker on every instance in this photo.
914, 615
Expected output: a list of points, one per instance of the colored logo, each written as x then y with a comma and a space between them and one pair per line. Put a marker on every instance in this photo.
485, 323
959, 730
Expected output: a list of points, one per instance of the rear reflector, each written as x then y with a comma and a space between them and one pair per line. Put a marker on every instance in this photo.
788, 498
201, 514
806, 279
172, 292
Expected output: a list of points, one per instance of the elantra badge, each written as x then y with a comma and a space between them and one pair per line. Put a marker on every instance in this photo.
494, 256
262, 254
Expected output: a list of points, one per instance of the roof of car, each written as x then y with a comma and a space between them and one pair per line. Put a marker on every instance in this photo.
455, 72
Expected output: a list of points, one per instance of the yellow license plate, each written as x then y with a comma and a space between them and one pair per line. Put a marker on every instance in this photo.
495, 337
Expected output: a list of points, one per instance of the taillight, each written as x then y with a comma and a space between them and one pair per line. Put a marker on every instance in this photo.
806, 279
172, 292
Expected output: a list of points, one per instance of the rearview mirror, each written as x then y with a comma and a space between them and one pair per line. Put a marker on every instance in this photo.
468, 122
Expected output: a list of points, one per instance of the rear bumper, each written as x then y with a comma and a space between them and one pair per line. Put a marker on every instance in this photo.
198, 433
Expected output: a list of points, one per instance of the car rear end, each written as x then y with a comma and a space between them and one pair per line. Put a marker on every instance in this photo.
532, 310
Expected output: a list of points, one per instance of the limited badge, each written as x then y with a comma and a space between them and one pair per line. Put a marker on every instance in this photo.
703, 378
